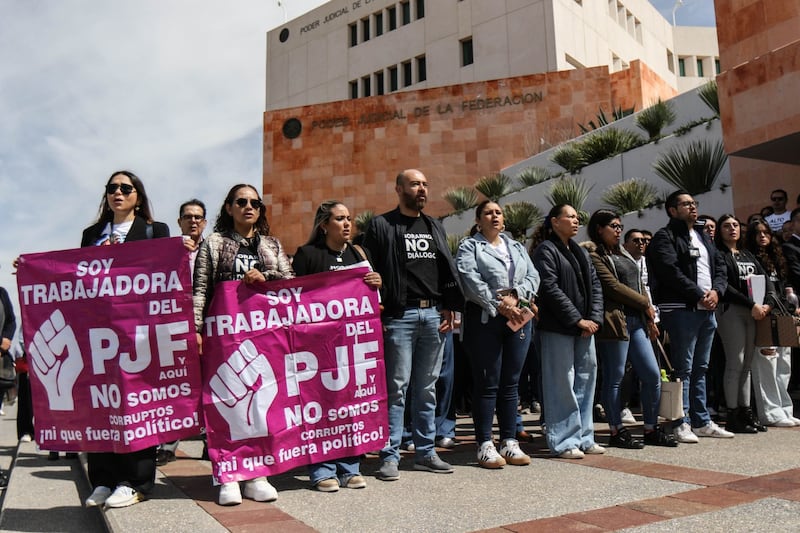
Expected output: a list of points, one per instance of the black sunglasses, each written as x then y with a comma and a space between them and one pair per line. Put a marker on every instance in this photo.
254, 203
639, 240
198, 218
126, 189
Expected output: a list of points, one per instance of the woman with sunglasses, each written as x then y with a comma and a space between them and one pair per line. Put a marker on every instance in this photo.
628, 321
329, 248
772, 365
736, 324
125, 215
239, 249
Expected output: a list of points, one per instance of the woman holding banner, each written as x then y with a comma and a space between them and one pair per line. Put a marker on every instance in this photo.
329, 248
239, 249
125, 215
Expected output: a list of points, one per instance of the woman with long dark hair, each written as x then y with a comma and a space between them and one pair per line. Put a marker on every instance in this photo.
239, 249
122, 479
629, 319
570, 313
329, 248
736, 324
772, 365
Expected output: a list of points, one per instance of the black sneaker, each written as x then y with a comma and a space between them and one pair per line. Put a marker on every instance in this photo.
624, 439
432, 463
164, 456
3, 479
659, 437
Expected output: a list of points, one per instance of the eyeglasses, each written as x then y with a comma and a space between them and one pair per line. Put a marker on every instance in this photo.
778, 199
255, 203
126, 189
198, 218
689, 204
616, 227
639, 240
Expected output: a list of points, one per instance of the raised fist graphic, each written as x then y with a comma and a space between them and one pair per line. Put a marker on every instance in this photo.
57, 360
243, 389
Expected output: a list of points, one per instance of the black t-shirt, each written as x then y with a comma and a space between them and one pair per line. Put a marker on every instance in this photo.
422, 267
338, 261
246, 258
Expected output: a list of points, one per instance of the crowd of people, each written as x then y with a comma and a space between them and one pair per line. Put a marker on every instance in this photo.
583, 317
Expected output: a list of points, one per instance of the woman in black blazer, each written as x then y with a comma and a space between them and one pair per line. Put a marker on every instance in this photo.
122, 479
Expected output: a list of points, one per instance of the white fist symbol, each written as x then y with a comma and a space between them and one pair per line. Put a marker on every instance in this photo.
243, 389
57, 360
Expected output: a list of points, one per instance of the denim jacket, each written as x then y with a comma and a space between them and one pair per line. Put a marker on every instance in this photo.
483, 273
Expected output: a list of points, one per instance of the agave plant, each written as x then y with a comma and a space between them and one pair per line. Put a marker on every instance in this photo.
572, 191
461, 198
569, 157
602, 120
533, 175
363, 219
630, 195
607, 143
521, 217
494, 187
453, 241
655, 118
693, 168
710, 96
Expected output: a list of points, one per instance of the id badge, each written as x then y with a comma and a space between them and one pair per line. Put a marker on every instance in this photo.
694, 252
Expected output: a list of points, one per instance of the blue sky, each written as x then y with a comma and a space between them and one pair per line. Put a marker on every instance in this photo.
171, 89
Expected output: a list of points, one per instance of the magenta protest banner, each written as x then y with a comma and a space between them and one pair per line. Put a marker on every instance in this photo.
294, 374
112, 348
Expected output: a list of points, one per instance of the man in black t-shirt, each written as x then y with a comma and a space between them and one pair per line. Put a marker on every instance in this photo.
420, 293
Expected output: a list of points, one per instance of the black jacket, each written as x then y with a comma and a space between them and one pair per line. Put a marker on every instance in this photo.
383, 238
673, 272
791, 251
565, 298
737, 293
138, 231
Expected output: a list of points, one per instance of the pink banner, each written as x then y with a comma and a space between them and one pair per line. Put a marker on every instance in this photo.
111, 344
294, 374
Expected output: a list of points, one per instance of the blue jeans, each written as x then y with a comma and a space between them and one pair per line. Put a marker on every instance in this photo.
445, 412
340, 469
613, 356
690, 336
412, 352
569, 372
496, 356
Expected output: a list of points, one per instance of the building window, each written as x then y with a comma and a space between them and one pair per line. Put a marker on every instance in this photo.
354, 89
681, 67
420, 9
392, 12
466, 52
379, 87
378, 24
717, 66
422, 67
405, 8
407, 80
393, 80
671, 61
366, 89
365, 29
353, 34
700, 68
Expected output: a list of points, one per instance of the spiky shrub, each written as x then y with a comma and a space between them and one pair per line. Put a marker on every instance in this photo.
494, 187
569, 158
520, 217
709, 94
693, 167
569, 190
630, 195
607, 143
461, 198
363, 219
655, 118
602, 120
453, 241
533, 175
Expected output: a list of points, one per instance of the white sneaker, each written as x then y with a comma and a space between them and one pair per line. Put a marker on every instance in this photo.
98, 496
683, 433
712, 430
260, 490
488, 456
783, 423
123, 496
229, 493
627, 416
25, 438
796, 421
512, 454
594, 449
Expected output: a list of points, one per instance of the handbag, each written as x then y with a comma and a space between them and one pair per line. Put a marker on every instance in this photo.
671, 403
779, 328
8, 375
